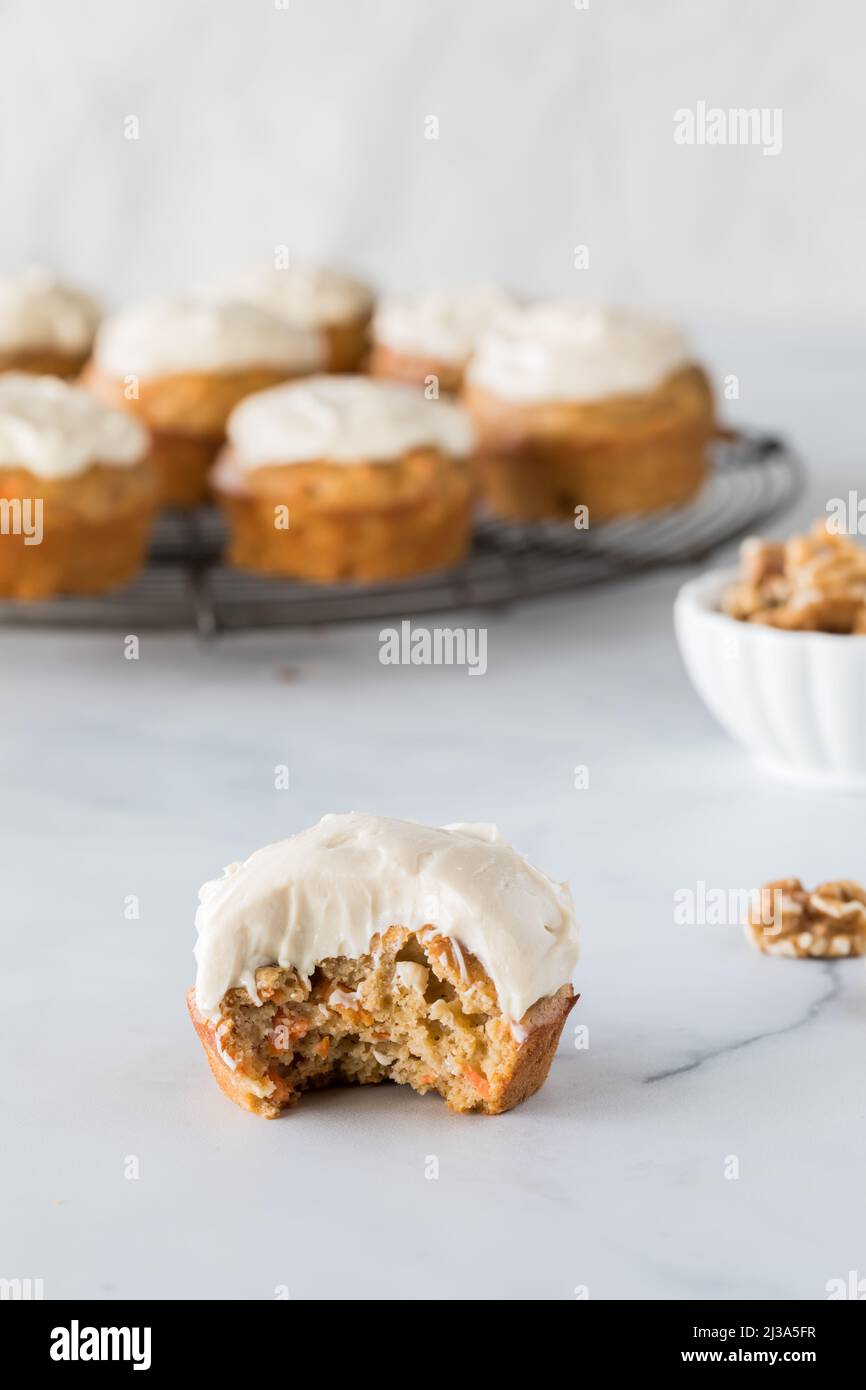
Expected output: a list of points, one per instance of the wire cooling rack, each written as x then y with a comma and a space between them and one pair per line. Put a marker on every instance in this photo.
753, 477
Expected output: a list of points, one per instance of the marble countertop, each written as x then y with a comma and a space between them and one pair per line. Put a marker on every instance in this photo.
126, 1173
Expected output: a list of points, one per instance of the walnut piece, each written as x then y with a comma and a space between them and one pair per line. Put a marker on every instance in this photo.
787, 920
811, 583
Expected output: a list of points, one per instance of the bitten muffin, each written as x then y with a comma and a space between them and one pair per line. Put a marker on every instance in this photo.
581, 406
367, 949
77, 497
316, 297
343, 478
181, 366
46, 327
427, 339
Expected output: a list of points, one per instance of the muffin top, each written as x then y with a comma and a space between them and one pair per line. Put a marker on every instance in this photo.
38, 312
562, 351
343, 419
315, 296
55, 430
172, 336
329, 890
444, 325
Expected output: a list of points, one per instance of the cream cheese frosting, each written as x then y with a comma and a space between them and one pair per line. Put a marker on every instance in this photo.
55, 430
329, 890
445, 325
344, 419
315, 296
575, 352
39, 312
172, 336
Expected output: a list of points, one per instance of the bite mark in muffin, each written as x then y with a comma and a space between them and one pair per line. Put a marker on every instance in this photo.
416, 1010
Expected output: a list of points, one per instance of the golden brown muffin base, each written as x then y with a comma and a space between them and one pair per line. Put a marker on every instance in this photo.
357, 523
624, 456
346, 344
96, 527
351, 1023
411, 370
186, 415
44, 362
182, 463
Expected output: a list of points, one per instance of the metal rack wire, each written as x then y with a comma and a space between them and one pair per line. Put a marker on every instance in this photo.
185, 587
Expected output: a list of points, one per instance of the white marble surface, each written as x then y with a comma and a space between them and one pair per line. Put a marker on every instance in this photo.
146, 777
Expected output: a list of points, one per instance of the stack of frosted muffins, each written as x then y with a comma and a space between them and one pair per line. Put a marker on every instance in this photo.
343, 440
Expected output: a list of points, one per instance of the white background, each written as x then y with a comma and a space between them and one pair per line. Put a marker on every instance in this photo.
305, 127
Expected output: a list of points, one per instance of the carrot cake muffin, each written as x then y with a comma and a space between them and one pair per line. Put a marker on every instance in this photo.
428, 338
811, 583
45, 326
315, 297
182, 365
367, 949
77, 496
345, 478
583, 406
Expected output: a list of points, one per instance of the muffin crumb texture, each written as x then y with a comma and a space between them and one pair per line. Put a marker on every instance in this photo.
811, 583
417, 1009
787, 920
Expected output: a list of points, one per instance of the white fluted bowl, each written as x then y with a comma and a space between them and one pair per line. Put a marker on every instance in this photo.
795, 700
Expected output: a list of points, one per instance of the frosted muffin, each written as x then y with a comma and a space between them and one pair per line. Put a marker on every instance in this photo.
344, 478
429, 338
46, 327
316, 297
182, 365
77, 494
367, 949
583, 406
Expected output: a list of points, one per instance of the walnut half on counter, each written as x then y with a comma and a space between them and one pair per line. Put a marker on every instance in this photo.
787, 920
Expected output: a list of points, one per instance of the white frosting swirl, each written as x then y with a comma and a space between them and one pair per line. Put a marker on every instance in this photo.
38, 312
55, 430
327, 891
173, 336
444, 325
575, 352
315, 296
344, 419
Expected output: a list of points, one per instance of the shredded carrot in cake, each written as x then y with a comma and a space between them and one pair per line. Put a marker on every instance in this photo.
480, 1082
